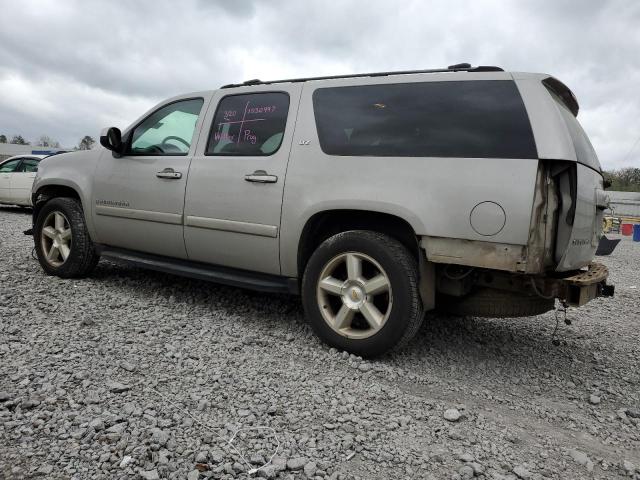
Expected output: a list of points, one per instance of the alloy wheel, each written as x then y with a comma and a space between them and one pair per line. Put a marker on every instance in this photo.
55, 238
354, 295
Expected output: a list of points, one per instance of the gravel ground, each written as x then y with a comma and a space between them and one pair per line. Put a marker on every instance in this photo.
135, 374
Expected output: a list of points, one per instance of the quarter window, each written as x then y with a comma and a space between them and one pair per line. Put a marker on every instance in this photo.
427, 119
249, 124
167, 131
10, 166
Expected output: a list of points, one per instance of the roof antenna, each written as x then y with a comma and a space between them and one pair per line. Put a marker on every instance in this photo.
459, 65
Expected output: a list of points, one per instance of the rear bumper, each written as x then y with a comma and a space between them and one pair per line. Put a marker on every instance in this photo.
578, 288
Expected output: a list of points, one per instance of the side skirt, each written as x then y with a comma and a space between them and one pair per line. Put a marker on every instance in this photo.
211, 273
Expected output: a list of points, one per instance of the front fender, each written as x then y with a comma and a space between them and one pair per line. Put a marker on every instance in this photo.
73, 170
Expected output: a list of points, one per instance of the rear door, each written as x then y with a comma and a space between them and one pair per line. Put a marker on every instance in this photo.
22, 181
234, 193
7, 170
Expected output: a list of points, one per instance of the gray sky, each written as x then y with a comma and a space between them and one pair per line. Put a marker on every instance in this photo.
69, 68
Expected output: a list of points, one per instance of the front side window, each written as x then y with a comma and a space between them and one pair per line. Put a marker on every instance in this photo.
470, 119
29, 165
249, 124
10, 166
167, 131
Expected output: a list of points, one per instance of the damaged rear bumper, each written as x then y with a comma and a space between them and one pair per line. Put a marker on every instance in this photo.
574, 288
578, 288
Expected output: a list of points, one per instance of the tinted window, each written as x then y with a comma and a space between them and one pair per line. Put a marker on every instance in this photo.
29, 165
250, 124
9, 166
431, 119
585, 152
167, 131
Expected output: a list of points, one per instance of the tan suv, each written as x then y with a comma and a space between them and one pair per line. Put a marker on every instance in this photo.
375, 196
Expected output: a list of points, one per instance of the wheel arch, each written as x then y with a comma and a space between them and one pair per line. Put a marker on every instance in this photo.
49, 191
324, 224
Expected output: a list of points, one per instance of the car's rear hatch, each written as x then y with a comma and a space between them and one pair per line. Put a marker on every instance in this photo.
580, 192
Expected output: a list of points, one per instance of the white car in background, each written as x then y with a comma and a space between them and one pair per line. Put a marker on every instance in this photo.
16, 178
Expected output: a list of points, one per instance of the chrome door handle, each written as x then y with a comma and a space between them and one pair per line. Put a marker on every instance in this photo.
260, 176
169, 173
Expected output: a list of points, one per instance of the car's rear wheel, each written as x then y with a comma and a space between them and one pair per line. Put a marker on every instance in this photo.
62, 242
360, 293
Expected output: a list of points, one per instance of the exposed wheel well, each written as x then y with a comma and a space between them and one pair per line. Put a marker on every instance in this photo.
48, 192
326, 224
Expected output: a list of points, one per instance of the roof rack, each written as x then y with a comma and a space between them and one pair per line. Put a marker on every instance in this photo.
459, 67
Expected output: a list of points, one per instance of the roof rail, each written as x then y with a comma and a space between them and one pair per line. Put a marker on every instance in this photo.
459, 67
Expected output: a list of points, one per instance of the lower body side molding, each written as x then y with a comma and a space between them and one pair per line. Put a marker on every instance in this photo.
212, 273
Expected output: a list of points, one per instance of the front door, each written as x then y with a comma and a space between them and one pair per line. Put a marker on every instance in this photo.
234, 194
139, 197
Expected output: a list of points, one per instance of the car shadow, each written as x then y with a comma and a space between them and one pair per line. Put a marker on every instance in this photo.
15, 210
177, 289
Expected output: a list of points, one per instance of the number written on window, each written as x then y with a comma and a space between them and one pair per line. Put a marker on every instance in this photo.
249, 124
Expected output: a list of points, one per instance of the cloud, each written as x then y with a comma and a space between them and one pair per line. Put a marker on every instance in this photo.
61, 108
69, 68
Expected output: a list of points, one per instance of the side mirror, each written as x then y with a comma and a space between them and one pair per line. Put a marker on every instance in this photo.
111, 139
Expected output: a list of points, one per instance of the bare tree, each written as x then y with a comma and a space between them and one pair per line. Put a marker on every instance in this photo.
86, 143
46, 141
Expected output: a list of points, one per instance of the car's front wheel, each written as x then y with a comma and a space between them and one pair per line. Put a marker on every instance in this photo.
360, 293
62, 241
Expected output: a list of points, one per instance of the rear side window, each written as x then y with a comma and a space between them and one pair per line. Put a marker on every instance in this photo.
249, 124
29, 165
428, 119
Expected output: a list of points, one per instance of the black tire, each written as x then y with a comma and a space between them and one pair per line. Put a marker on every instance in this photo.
492, 303
82, 258
405, 314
